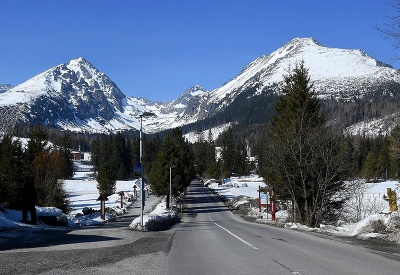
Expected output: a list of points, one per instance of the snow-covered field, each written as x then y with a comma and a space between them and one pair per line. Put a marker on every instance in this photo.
83, 194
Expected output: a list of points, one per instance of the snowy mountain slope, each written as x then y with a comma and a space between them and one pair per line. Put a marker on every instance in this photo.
73, 96
168, 115
77, 96
340, 75
336, 73
374, 127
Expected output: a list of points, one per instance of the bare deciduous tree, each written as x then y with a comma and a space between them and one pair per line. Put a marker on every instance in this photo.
391, 28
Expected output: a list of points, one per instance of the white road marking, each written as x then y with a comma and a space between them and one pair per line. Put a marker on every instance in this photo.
237, 237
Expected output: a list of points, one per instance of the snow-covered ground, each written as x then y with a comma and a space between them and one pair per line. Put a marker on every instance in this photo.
368, 204
83, 194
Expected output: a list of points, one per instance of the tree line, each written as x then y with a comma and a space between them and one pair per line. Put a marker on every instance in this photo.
36, 162
114, 158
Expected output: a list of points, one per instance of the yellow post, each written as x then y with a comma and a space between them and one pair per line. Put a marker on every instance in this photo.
392, 200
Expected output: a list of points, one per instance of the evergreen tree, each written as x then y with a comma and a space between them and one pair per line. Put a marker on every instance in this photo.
12, 173
383, 161
150, 150
369, 172
304, 161
159, 175
106, 179
394, 151
64, 147
37, 143
106, 171
228, 153
352, 156
121, 157
200, 155
95, 153
241, 164
174, 151
212, 169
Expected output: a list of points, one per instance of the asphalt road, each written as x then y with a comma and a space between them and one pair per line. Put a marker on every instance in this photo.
214, 241
210, 240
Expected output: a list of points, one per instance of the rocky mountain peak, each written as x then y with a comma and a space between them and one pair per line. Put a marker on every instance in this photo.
85, 68
184, 99
76, 95
305, 41
195, 91
68, 94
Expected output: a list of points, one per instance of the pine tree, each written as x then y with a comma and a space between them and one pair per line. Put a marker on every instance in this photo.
104, 160
106, 179
174, 151
241, 164
383, 160
394, 151
120, 157
36, 144
303, 161
12, 173
368, 170
159, 175
212, 170
64, 147
200, 156
228, 153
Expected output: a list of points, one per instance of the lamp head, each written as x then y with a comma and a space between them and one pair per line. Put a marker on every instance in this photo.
146, 114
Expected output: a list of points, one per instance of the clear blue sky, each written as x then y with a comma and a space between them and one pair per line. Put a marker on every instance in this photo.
159, 49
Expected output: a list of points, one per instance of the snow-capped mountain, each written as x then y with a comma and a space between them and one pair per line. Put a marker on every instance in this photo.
73, 96
77, 96
339, 75
336, 73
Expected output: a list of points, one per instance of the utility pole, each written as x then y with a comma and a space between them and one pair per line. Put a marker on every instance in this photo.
141, 116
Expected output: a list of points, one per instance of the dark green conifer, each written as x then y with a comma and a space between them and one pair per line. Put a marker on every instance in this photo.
303, 161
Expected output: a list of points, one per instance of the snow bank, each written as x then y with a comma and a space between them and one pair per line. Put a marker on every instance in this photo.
368, 209
159, 219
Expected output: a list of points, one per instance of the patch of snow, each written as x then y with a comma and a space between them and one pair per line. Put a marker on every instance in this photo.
193, 137
373, 206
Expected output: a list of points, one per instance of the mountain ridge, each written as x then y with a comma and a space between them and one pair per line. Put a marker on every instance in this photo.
77, 96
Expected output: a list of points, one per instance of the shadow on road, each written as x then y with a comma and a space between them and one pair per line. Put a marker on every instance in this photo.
47, 238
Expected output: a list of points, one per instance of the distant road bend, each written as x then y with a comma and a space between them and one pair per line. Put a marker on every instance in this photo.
209, 240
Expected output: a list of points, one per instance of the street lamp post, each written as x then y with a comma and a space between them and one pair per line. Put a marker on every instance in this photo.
143, 115
170, 185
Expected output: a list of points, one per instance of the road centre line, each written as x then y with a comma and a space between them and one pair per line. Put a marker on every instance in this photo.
237, 237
